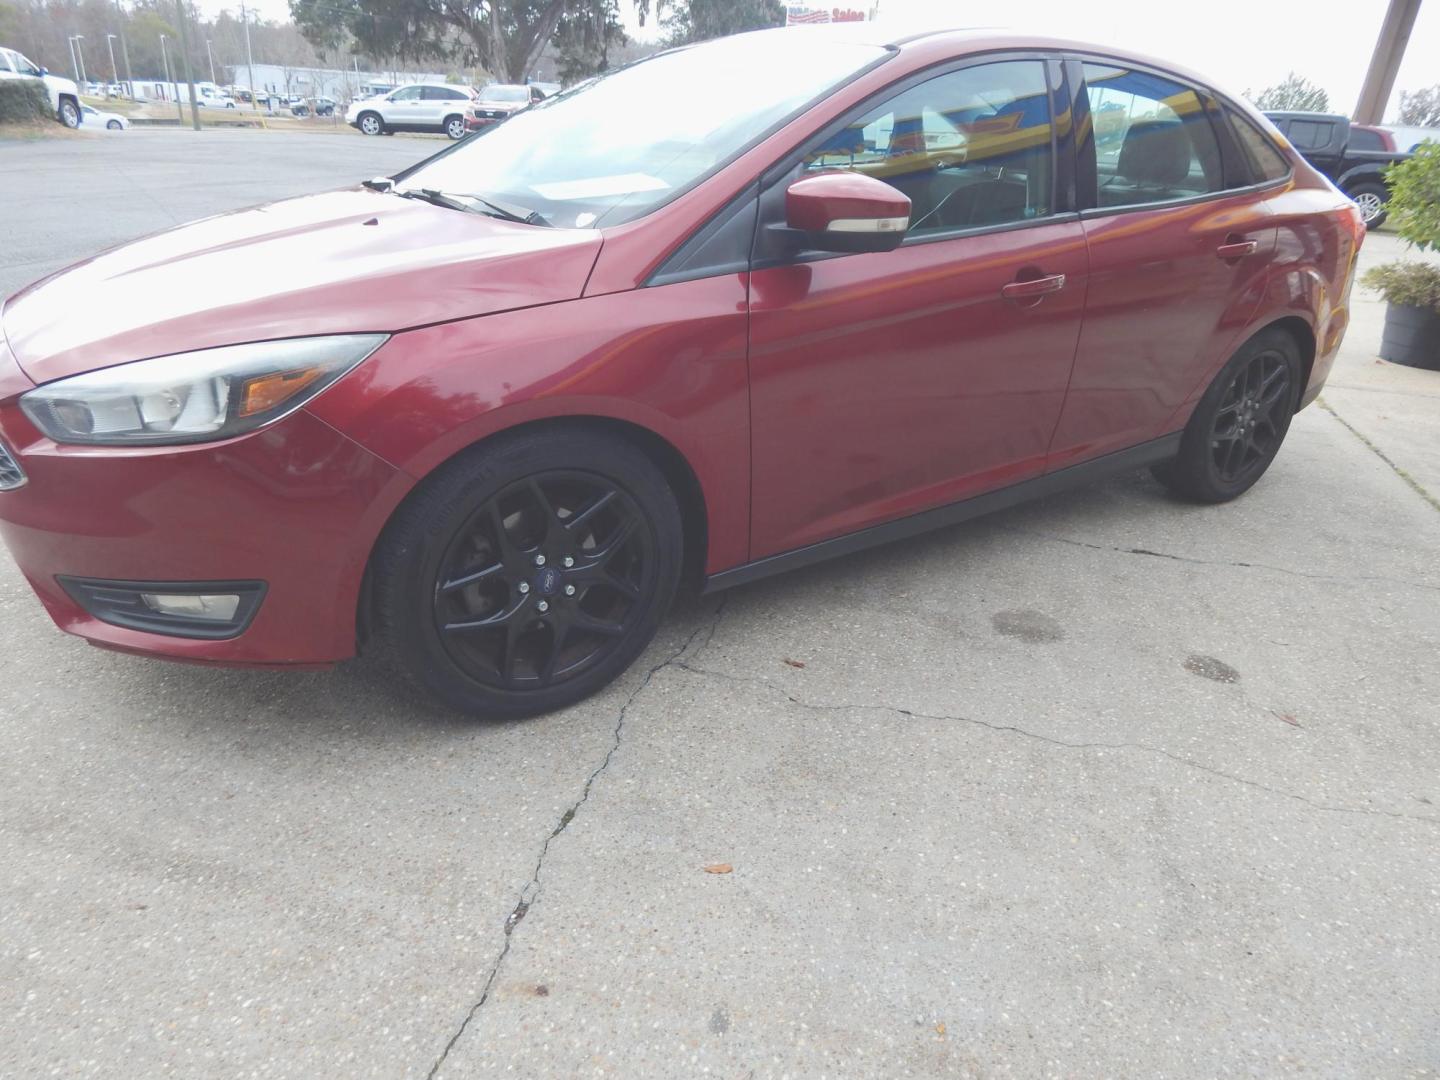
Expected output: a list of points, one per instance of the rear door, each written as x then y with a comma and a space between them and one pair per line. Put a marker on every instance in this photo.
1178, 237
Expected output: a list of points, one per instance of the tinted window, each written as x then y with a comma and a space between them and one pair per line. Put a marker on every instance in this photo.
410, 93
441, 93
1360, 139
1264, 161
1310, 134
970, 148
1153, 141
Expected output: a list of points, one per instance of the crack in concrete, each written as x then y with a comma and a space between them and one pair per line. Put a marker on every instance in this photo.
1222, 562
530, 894
1415, 485
1011, 729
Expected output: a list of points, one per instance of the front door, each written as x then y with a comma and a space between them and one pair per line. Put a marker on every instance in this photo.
887, 384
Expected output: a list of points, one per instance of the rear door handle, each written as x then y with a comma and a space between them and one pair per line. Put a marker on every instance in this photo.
1237, 249
1022, 290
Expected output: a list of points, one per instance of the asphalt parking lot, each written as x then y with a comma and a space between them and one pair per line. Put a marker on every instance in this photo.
1106, 785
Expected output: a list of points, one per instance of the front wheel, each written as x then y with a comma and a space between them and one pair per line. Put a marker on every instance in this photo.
114, 125
371, 124
1236, 430
527, 573
69, 113
1370, 199
455, 127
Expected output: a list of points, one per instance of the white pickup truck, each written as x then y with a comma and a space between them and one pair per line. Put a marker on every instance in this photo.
64, 95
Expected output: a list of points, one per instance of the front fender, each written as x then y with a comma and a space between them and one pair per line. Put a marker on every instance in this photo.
670, 360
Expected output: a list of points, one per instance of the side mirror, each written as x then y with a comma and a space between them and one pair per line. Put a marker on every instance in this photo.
846, 211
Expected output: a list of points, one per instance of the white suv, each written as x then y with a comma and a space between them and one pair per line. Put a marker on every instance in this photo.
418, 107
64, 95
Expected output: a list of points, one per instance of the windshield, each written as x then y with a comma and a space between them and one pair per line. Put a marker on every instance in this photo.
617, 148
504, 93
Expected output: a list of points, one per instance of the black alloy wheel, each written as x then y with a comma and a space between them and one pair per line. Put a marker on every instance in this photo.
543, 579
1240, 422
527, 572
1249, 424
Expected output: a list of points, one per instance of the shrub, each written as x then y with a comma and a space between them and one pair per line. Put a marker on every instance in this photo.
23, 101
1408, 284
1415, 209
1415, 197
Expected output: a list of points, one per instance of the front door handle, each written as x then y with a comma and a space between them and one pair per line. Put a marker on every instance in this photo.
1236, 249
1024, 290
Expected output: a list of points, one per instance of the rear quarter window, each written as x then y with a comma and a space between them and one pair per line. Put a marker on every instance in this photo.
1263, 160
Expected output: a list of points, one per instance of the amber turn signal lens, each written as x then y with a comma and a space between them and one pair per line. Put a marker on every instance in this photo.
266, 392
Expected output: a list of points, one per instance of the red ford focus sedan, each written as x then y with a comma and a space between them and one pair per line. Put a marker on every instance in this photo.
483, 417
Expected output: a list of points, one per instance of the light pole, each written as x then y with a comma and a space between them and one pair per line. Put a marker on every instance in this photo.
80, 53
74, 64
211, 57
114, 71
170, 83
249, 61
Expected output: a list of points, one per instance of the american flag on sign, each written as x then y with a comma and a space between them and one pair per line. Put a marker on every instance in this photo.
800, 15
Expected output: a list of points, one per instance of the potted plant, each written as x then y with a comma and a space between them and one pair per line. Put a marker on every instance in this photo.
1412, 289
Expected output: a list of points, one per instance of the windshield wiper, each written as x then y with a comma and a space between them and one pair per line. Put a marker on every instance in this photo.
455, 200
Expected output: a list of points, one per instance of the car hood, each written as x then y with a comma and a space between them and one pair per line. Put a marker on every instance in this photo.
351, 261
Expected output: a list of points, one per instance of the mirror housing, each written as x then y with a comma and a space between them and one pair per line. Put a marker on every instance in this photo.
846, 212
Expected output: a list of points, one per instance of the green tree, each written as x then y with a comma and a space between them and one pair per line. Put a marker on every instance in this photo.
1421, 108
505, 37
699, 20
1293, 94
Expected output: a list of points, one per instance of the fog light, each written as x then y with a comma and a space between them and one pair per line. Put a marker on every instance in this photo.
216, 608
210, 610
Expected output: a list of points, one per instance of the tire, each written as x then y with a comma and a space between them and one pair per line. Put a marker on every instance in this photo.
114, 125
370, 123
455, 127
69, 113
1371, 199
462, 603
1236, 430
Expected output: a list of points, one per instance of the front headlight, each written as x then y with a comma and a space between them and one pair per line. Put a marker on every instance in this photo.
194, 397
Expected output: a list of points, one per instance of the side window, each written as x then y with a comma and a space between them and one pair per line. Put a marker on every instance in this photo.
410, 93
1310, 134
1360, 139
1153, 141
1266, 163
970, 149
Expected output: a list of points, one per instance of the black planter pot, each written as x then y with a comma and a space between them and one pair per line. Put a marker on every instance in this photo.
1412, 336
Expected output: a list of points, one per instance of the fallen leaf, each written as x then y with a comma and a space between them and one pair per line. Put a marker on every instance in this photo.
1285, 716
940, 1028
793, 663
719, 868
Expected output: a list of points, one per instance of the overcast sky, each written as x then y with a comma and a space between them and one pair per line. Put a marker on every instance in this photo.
1239, 43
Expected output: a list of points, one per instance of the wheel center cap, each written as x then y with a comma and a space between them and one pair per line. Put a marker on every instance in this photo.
547, 581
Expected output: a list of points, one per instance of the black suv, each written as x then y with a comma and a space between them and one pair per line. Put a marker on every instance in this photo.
1328, 143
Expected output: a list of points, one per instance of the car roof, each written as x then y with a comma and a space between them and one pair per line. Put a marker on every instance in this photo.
917, 36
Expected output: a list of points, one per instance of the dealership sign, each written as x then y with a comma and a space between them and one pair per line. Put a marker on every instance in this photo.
801, 14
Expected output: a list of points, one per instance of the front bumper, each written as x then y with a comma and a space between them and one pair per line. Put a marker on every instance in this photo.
295, 506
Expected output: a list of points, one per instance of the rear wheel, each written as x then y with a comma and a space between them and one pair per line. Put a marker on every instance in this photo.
1371, 200
527, 573
371, 124
1236, 430
455, 127
113, 125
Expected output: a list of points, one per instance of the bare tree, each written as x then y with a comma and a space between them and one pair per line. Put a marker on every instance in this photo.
1294, 94
1421, 108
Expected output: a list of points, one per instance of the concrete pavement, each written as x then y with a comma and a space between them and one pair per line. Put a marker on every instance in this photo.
1103, 785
